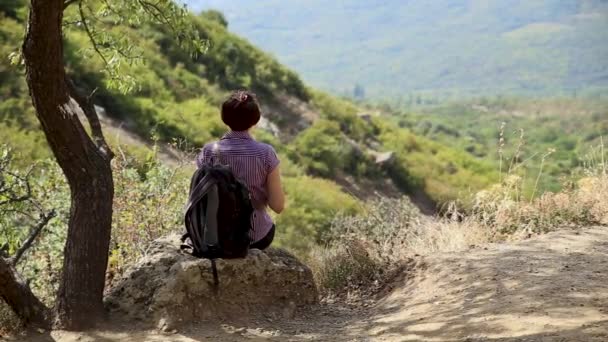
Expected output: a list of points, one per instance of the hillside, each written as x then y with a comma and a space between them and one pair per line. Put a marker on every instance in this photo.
401, 50
329, 152
567, 131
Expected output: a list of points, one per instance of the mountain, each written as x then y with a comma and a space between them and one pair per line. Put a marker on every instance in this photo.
398, 50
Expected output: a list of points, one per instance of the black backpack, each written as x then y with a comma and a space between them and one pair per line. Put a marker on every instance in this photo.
217, 216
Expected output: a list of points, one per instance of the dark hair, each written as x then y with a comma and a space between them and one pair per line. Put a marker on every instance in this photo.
241, 110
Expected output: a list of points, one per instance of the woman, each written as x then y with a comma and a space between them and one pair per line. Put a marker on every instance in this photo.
253, 162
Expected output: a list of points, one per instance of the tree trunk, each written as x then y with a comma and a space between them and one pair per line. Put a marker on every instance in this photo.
18, 296
85, 164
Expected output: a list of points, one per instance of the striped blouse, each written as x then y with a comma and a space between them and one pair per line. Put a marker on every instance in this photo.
251, 161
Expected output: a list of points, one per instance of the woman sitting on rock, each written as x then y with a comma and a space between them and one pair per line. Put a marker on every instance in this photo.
253, 162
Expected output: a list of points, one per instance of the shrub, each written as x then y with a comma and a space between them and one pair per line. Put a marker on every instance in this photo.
26, 194
344, 266
323, 150
312, 203
390, 231
364, 250
146, 207
385, 223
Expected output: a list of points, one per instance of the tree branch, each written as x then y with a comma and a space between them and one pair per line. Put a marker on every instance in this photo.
44, 220
90, 34
18, 295
159, 15
4, 251
86, 103
12, 196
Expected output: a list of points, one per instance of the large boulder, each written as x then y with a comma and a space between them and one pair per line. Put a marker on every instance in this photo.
168, 287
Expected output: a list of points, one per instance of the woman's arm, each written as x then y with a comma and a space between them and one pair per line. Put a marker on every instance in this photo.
276, 198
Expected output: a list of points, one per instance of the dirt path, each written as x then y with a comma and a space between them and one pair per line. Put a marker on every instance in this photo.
550, 288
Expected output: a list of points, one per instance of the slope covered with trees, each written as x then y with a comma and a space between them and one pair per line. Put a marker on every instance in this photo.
398, 50
565, 132
174, 98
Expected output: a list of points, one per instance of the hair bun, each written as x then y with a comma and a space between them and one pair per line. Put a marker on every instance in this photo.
241, 110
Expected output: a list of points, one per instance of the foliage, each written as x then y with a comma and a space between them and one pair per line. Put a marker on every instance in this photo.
345, 113
360, 247
147, 206
27, 196
446, 173
114, 47
215, 16
311, 205
169, 91
322, 149
384, 222
528, 128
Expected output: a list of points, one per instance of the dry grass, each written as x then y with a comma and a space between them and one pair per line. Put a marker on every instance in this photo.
390, 231
366, 249
503, 210
583, 204
10, 324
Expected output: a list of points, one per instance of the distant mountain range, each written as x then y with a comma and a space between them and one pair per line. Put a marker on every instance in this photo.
445, 48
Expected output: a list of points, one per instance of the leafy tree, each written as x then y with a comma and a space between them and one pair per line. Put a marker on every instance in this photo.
321, 149
83, 157
215, 16
11, 7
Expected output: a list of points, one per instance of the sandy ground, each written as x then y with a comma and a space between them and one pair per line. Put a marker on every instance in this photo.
549, 288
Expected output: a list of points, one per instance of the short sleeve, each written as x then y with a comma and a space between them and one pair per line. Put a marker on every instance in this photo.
272, 161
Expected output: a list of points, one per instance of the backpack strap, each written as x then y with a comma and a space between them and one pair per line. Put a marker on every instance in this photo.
216, 279
200, 190
215, 154
211, 238
191, 216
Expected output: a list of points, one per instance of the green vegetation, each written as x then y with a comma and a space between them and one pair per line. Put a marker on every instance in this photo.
173, 94
174, 99
424, 51
376, 244
565, 129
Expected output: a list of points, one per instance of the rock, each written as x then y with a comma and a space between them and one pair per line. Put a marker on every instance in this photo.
269, 126
384, 157
168, 287
366, 117
101, 112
